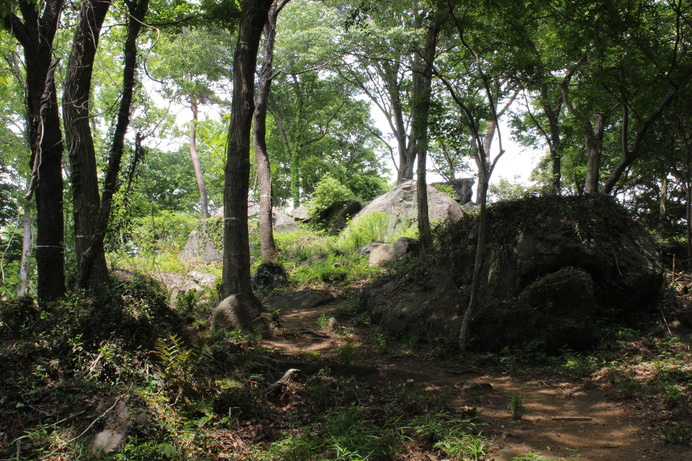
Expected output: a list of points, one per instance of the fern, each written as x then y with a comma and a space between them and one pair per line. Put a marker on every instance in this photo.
179, 362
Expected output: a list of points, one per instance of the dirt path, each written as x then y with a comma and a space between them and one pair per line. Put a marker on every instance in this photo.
564, 420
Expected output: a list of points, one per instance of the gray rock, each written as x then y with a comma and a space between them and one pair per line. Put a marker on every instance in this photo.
388, 253
269, 276
551, 263
367, 249
199, 246
463, 188
301, 214
238, 311
118, 425
401, 204
335, 218
556, 311
282, 222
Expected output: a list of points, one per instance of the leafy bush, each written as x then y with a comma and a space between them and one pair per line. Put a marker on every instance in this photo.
167, 231
447, 189
328, 192
366, 229
376, 227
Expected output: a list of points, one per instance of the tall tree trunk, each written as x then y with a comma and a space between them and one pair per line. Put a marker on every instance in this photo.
236, 251
552, 109
481, 229
137, 10
35, 31
594, 146
25, 262
422, 93
662, 207
199, 176
264, 173
688, 222
80, 145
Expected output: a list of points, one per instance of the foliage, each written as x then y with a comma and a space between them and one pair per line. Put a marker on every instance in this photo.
179, 362
516, 406
446, 189
328, 191
164, 232
375, 227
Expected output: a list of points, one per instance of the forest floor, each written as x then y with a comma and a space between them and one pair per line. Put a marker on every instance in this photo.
561, 417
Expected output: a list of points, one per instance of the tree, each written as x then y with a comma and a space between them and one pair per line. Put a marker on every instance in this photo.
191, 66
422, 94
482, 92
35, 30
137, 10
13, 167
80, 145
385, 49
264, 174
236, 252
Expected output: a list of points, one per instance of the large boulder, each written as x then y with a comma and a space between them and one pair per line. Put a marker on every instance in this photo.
236, 312
401, 203
462, 187
200, 246
282, 221
269, 276
335, 217
387, 253
553, 266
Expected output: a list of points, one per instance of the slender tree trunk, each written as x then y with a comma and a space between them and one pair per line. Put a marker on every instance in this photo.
594, 146
35, 31
264, 173
552, 109
477, 261
25, 263
688, 223
422, 93
137, 10
199, 176
662, 206
80, 145
236, 252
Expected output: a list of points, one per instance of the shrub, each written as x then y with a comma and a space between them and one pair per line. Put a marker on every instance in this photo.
167, 231
328, 192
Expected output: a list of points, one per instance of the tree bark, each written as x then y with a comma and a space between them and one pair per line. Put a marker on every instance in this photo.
137, 10
594, 146
25, 262
422, 93
264, 173
236, 252
80, 144
197, 165
35, 32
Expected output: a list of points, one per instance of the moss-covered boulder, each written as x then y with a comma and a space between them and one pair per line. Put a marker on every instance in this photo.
553, 265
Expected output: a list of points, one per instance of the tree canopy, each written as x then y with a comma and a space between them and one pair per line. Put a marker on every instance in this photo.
600, 86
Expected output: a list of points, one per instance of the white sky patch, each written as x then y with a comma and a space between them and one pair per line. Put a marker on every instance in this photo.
516, 165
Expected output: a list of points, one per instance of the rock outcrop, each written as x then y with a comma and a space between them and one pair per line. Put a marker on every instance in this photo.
236, 312
335, 218
463, 189
553, 266
401, 204
388, 253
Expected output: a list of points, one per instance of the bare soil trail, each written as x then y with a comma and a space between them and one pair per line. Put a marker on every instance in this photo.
565, 420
